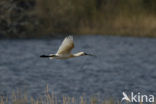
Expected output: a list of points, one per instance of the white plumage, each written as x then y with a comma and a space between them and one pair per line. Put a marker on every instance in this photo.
64, 51
66, 46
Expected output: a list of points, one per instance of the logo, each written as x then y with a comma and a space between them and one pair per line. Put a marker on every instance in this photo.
125, 97
137, 97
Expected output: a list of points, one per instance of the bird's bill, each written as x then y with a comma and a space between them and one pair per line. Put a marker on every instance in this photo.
89, 54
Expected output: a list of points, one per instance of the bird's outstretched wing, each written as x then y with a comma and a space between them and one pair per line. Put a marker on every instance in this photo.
66, 46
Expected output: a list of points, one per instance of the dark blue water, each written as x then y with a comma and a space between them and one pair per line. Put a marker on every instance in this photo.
122, 64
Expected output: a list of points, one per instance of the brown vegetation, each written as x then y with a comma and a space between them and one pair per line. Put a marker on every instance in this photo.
19, 98
42, 18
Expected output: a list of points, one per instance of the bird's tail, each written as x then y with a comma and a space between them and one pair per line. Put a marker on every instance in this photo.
51, 56
45, 56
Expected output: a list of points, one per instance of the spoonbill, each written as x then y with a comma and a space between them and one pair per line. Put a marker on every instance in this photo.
64, 51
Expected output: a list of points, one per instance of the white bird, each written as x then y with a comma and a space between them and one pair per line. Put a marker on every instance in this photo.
64, 51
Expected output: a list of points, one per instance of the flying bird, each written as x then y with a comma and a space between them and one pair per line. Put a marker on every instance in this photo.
64, 51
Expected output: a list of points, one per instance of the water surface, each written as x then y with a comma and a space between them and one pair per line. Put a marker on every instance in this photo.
122, 64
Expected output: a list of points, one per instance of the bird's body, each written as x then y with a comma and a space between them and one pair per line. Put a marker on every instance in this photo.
60, 56
64, 51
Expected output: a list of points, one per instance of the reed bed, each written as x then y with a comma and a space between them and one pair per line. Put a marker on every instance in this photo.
18, 97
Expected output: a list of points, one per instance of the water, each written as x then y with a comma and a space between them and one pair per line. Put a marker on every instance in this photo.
122, 64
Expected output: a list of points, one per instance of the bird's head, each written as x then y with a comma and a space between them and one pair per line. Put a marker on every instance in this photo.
84, 54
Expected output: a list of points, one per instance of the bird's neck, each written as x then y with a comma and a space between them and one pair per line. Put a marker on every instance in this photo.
77, 54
